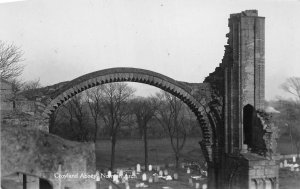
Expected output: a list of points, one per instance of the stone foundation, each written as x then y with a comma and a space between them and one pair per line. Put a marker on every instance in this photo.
248, 170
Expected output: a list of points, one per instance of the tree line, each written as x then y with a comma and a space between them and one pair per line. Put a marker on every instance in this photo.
11, 68
288, 116
112, 111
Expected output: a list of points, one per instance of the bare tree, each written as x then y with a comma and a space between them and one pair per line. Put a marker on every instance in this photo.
30, 85
115, 111
171, 116
93, 99
76, 111
53, 121
17, 86
292, 86
10, 58
144, 110
290, 110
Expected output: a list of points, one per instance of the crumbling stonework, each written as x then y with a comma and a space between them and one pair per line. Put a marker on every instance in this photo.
38, 153
245, 136
25, 120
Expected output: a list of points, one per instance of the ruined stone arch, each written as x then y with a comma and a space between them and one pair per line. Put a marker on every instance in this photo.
179, 89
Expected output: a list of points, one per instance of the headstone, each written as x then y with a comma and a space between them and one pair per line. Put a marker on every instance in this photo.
150, 167
150, 179
166, 172
297, 169
175, 176
281, 165
160, 173
188, 171
126, 177
285, 163
294, 159
121, 173
138, 168
109, 174
204, 186
144, 177
97, 176
116, 179
197, 185
155, 178
110, 187
168, 177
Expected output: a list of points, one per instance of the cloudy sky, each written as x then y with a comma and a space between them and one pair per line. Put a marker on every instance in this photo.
183, 39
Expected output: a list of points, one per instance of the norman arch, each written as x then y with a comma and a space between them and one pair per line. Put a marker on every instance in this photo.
179, 89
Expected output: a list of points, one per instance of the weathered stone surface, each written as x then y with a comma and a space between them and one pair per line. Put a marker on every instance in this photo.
39, 153
25, 120
237, 95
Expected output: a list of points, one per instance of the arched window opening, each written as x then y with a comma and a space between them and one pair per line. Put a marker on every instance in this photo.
248, 122
44, 184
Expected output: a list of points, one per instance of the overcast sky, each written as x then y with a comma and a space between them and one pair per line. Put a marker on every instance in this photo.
183, 39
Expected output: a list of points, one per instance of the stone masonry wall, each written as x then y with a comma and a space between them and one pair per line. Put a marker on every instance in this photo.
38, 153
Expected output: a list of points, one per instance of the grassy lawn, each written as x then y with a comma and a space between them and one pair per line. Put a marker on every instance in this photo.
129, 152
289, 179
285, 147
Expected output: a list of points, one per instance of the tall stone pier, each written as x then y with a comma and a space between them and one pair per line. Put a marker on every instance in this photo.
245, 137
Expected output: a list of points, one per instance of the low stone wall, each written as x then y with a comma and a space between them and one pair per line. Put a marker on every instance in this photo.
26, 120
40, 154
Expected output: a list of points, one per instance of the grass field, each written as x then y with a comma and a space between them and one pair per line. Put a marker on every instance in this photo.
285, 147
289, 179
129, 152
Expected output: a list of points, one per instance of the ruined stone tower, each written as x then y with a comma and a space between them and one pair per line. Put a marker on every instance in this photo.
245, 139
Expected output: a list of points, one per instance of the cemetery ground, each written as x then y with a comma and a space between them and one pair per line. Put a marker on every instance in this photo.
129, 152
288, 179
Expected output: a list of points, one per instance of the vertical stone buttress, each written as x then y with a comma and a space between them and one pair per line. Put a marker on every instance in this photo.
243, 68
244, 73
